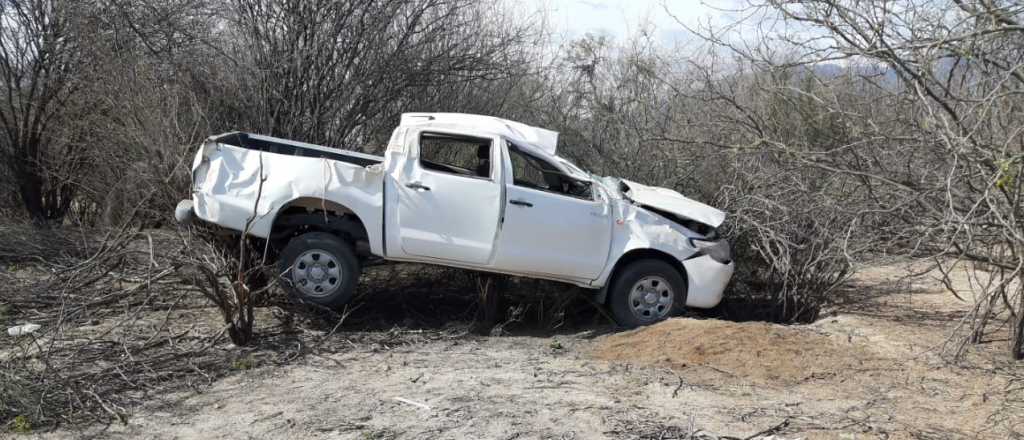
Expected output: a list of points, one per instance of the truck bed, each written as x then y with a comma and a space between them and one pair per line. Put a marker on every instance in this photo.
292, 148
247, 180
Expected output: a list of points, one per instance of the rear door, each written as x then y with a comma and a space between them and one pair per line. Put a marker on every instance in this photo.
449, 197
549, 228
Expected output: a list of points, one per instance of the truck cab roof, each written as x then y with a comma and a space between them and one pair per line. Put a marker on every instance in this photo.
535, 140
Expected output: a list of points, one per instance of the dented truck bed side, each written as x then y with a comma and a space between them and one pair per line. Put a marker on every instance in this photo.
232, 171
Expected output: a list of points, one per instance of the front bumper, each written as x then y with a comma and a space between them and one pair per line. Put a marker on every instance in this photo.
706, 280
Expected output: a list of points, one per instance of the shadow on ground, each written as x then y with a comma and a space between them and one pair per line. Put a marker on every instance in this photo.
403, 303
398, 305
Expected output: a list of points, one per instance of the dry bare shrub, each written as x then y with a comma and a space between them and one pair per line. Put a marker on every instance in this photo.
107, 341
102, 106
799, 230
231, 272
935, 140
340, 73
42, 49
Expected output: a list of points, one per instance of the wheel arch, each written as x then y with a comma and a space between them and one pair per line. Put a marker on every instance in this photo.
327, 251
636, 255
307, 214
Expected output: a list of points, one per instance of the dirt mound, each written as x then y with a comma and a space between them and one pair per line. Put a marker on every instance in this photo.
753, 350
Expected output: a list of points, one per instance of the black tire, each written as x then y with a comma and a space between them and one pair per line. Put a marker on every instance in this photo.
652, 279
319, 268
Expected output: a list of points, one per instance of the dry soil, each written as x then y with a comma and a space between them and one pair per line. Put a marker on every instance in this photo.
869, 369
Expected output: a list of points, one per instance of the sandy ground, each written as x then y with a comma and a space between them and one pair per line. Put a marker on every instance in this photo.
868, 370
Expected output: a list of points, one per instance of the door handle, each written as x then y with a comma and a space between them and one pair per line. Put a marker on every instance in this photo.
518, 202
417, 186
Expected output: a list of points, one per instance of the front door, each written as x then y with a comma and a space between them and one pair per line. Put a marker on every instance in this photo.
449, 201
548, 228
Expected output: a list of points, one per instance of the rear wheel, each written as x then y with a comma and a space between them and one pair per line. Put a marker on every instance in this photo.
645, 292
319, 268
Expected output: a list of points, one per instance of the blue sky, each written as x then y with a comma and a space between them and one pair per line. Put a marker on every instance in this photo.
621, 18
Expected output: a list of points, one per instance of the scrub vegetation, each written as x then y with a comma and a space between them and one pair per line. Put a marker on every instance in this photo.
836, 135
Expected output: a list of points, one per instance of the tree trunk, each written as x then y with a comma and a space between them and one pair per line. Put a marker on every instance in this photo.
31, 192
1017, 337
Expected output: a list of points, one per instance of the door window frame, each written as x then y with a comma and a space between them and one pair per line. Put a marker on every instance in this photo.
459, 138
512, 149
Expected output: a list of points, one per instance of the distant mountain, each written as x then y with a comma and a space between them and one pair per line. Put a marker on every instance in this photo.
883, 75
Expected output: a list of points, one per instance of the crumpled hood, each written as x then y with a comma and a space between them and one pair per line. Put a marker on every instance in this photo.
671, 201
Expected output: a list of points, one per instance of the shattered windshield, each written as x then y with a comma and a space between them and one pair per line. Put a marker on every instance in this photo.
610, 183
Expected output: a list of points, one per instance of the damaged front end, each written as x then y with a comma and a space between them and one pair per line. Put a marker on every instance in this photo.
665, 220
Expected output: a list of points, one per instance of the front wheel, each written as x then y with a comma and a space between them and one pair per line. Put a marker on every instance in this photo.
645, 292
319, 268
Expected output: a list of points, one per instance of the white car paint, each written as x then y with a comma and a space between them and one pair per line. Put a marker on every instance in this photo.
544, 140
226, 181
556, 236
460, 221
671, 201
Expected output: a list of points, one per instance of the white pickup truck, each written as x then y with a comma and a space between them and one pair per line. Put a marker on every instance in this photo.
467, 191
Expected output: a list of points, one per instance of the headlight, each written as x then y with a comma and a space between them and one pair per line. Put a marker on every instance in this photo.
718, 249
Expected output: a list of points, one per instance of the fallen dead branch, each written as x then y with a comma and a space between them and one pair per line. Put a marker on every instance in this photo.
652, 430
106, 340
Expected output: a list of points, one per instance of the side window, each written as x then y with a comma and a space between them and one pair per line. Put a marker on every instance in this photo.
532, 172
526, 170
465, 156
